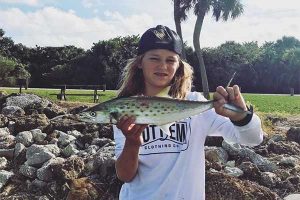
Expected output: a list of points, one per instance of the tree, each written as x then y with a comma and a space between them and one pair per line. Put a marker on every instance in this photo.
220, 9
181, 7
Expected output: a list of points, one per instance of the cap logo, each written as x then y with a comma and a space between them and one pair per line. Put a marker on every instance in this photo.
160, 35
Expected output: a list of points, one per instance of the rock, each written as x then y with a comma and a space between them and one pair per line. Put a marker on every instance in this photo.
19, 153
101, 141
92, 149
269, 179
213, 141
74, 133
45, 173
39, 184
251, 171
282, 174
293, 134
65, 124
12, 111
3, 94
262, 163
70, 150
52, 110
233, 171
3, 163
53, 148
103, 162
7, 142
220, 186
24, 100
230, 163
3, 121
64, 139
83, 188
7, 153
37, 155
292, 197
289, 161
38, 135
4, 177
25, 138
290, 148
28, 171
70, 169
11, 126
294, 179
30, 122
4, 132
216, 154
276, 138
85, 141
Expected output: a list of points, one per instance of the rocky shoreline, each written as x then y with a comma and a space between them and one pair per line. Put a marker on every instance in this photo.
45, 159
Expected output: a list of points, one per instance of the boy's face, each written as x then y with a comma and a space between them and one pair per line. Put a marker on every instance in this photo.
159, 67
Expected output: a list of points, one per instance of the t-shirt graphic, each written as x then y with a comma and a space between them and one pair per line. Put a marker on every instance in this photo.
157, 142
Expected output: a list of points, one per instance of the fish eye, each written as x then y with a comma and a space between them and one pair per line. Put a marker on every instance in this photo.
93, 114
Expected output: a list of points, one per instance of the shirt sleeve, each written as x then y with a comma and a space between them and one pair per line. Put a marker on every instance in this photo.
250, 134
119, 140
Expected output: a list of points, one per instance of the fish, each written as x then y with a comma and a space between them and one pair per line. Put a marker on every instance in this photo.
153, 110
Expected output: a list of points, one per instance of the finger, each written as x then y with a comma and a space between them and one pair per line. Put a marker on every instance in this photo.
237, 92
221, 90
230, 93
128, 123
220, 100
121, 121
137, 129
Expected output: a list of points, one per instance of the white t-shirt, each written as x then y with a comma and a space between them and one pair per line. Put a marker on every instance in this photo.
173, 167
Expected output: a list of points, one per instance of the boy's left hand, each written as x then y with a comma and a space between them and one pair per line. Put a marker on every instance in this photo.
229, 95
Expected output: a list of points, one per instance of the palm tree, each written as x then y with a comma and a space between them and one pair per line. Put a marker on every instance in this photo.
181, 7
220, 9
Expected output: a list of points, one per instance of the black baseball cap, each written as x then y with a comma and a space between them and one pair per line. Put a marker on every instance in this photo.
160, 37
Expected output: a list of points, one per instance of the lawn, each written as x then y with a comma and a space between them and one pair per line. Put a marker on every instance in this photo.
276, 104
51, 94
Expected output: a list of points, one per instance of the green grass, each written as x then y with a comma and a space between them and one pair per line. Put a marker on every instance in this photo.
51, 94
275, 104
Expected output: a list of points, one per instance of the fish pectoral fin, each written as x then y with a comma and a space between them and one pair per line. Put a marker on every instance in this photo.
165, 128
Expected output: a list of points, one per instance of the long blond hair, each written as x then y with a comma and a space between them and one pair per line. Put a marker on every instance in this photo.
132, 79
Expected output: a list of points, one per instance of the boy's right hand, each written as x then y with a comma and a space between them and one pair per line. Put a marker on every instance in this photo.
131, 131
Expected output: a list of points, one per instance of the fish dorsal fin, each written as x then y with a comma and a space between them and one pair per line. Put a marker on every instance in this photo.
165, 128
164, 92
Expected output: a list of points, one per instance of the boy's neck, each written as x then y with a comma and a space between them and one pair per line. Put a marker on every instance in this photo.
154, 91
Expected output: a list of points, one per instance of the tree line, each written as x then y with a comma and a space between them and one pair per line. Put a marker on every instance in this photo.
273, 67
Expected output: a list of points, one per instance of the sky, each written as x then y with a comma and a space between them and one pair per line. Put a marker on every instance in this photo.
84, 22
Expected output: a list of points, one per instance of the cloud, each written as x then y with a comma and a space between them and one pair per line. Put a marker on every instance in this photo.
26, 2
92, 3
50, 26
260, 22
